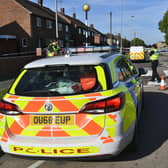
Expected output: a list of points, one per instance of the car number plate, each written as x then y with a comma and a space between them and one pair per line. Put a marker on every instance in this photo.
59, 120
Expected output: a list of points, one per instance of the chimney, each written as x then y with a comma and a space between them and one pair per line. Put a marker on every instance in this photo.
63, 11
74, 15
91, 25
40, 2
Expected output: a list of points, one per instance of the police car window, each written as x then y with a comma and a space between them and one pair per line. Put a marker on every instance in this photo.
132, 68
119, 73
62, 80
123, 70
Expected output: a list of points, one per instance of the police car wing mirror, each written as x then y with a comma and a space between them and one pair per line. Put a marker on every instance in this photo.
142, 71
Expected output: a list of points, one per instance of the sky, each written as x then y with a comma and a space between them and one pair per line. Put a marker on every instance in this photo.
131, 18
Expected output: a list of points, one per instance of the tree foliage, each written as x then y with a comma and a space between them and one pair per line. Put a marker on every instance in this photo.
163, 26
126, 43
137, 42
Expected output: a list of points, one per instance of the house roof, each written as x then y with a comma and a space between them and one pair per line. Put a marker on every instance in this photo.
43, 11
78, 23
38, 10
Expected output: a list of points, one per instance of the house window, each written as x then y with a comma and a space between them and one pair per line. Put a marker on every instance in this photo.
60, 26
92, 34
49, 24
38, 22
24, 42
61, 43
66, 28
79, 31
40, 43
84, 32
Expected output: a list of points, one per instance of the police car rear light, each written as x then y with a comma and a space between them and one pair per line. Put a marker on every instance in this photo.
9, 108
107, 105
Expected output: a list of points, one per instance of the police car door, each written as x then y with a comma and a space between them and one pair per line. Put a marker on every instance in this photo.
128, 77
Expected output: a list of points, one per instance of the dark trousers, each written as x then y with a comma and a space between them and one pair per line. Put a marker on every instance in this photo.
154, 70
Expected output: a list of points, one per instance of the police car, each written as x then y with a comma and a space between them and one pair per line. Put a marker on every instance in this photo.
72, 106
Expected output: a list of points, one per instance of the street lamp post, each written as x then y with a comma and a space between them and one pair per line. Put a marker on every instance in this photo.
86, 8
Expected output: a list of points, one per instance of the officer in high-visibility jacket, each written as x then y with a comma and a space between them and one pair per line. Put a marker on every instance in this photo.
154, 57
53, 49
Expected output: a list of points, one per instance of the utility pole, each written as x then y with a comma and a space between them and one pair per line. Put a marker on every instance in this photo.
121, 45
56, 19
111, 23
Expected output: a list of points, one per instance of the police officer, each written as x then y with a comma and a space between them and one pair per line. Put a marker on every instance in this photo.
154, 57
53, 49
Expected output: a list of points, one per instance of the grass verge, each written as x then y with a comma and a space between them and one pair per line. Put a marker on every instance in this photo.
2, 92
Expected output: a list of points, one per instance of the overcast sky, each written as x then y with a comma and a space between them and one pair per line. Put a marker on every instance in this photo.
140, 17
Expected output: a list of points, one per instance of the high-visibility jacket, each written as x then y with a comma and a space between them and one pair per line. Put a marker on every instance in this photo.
52, 49
155, 56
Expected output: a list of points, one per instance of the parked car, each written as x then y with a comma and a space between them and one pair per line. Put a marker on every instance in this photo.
72, 106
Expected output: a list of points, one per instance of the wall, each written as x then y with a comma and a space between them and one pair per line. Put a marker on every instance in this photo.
8, 46
11, 66
12, 12
15, 20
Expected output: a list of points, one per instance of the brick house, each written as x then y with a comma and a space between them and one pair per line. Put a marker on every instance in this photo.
78, 31
99, 38
33, 25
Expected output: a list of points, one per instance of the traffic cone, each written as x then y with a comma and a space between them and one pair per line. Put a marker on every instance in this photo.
162, 84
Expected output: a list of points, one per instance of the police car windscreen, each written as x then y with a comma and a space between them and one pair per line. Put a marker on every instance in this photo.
59, 80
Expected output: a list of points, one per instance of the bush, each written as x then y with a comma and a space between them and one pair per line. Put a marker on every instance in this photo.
2, 92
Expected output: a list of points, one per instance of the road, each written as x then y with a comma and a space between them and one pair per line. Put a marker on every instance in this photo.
153, 137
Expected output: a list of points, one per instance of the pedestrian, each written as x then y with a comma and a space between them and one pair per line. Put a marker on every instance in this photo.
53, 49
154, 57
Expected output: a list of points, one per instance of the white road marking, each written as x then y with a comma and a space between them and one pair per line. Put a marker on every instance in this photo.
149, 73
166, 72
36, 164
153, 83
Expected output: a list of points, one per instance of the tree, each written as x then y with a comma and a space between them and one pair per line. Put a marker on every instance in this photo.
137, 42
126, 43
163, 26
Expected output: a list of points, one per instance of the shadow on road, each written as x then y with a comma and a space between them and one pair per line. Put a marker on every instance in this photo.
153, 126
